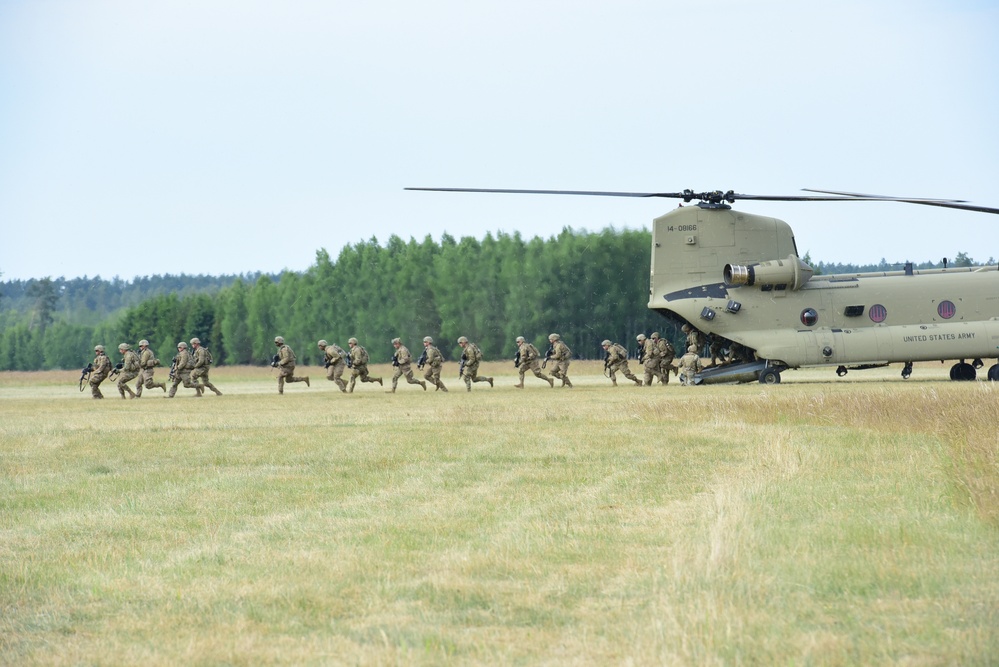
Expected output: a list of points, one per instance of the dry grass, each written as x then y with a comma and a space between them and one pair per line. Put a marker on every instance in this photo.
840, 523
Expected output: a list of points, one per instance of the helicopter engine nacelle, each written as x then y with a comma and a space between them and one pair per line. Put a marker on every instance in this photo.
791, 272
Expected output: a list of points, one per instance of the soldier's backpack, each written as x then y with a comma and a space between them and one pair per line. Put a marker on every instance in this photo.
208, 357
623, 353
339, 350
476, 352
362, 356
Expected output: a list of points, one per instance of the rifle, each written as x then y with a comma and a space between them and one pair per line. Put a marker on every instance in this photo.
548, 355
116, 370
85, 376
516, 360
421, 362
395, 359
641, 355
461, 368
606, 363
173, 369
274, 360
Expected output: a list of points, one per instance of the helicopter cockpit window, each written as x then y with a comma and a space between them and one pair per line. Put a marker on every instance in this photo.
809, 317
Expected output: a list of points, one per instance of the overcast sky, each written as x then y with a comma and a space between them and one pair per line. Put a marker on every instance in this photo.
141, 138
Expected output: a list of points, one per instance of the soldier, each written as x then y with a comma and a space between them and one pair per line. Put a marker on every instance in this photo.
617, 360
715, 345
471, 355
528, 361
129, 369
694, 337
403, 362
561, 355
667, 354
737, 353
286, 365
202, 359
102, 367
182, 371
359, 365
335, 361
651, 359
690, 365
147, 362
433, 360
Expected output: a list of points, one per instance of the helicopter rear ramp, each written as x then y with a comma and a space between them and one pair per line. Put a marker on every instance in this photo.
745, 372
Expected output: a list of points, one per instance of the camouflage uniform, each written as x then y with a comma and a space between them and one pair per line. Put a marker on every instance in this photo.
403, 362
666, 356
102, 367
182, 372
202, 359
651, 360
147, 362
529, 362
737, 353
286, 365
359, 365
472, 355
335, 360
715, 344
690, 365
433, 363
694, 337
617, 360
129, 371
561, 356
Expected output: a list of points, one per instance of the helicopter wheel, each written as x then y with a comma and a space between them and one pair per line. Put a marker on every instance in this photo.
769, 376
962, 372
994, 373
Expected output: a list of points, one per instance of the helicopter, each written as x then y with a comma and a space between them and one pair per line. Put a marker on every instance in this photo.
738, 277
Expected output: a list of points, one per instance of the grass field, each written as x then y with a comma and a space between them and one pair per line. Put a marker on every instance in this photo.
823, 521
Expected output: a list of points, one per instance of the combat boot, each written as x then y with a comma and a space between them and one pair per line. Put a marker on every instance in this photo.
380, 383
519, 386
442, 387
306, 380
638, 382
490, 381
551, 383
424, 385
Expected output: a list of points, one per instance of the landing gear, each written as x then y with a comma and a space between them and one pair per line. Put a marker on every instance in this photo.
907, 370
994, 373
770, 376
977, 363
962, 372
841, 371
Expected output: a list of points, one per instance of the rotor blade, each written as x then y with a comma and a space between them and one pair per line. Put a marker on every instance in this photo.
885, 197
556, 192
943, 203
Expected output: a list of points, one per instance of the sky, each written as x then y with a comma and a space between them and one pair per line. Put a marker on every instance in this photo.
234, 136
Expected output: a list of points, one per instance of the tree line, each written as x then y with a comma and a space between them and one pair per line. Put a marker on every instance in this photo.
586, 286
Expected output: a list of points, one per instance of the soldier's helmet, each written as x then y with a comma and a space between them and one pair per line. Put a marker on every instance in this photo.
640, 337
322, 343
279, 340
195, 340
606, 343
553, 337
352, 341
123, 347
143, 343
462, 339
685, 328
655, 334
181, 345
521, 339
397, 341
428, 339
98, 348
692, 348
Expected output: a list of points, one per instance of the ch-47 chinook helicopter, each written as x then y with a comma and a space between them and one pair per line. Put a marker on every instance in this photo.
738, 276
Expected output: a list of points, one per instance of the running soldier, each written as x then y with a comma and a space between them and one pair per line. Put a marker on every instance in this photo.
471, 355
651, 359
202, 359
403, 362
561, 355
335, 361
359, 365
617, 360
527, 357
147, 362
129, 369
285, 365
182, 371
694, 337
433, 360
102, 367
690, 365
666, 356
